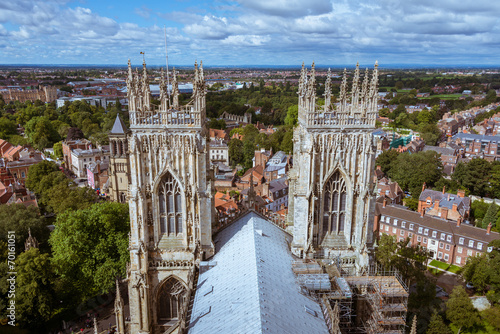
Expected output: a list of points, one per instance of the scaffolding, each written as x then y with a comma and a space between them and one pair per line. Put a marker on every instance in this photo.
386, 297
375, 302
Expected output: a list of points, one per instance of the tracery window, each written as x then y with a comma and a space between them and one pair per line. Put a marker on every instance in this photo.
170, 299
170, 203
334, 204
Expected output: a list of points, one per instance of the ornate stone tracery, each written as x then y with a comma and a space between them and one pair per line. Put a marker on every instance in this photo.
170, 205
333, 157
169, 200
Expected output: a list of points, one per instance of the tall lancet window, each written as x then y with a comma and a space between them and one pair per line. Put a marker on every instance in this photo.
334, 204
170, 202
170, 299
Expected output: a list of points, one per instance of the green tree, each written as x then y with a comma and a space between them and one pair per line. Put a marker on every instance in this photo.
478, 211
491, 215
35, 295
90, 246
384, 112
474, 176
386, 159
37, 172
7, 128
41, 133
437, 325
19, 218
492, 316
235, 152
287, 143
386, 250
63, 197
410, 171
292, 115
459, 309
477, 271
217, 124
58, 151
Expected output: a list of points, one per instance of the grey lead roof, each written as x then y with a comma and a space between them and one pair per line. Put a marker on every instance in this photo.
249, 287
440, 150
119, 127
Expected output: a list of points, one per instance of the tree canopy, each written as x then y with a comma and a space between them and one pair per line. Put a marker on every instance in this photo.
459, 309
90, 246
410, 171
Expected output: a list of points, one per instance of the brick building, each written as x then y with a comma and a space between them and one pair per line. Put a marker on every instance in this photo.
391, 190
444, 205
69, 145
450, 242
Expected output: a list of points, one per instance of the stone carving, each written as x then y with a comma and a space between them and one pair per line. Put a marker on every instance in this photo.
333, 141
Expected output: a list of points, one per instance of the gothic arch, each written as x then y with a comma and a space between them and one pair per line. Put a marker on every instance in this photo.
334, 204
170, 297
169, 205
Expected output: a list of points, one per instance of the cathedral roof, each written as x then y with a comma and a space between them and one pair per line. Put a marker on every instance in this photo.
249, 286
119, 127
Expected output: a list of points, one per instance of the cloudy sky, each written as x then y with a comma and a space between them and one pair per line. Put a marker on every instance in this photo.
245, 32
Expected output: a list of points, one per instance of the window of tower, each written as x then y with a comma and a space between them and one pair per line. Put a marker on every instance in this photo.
170, 205
170, 299
334, 205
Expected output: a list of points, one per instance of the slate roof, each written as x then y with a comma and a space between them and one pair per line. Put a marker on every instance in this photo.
474, 137
446, 200
464, 230
119, 128
278, 184
249, 287
440, 150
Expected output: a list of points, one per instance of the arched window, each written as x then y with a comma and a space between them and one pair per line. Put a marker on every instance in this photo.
170, 202
170, 299
334, 205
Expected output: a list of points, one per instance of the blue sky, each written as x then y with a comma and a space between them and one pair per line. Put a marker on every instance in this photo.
251, 32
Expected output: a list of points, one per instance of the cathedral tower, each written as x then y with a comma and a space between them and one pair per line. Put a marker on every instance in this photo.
170, 202
119, 169
330, 184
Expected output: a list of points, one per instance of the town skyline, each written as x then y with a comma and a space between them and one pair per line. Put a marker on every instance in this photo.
250, 32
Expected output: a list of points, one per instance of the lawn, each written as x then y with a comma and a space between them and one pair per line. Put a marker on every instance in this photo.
443, 97
454, 269
439, 264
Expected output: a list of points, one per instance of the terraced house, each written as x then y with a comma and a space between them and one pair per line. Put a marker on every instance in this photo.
448, 241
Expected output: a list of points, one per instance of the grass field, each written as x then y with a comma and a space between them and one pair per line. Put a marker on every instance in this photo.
443, 97
454, 269
439, 264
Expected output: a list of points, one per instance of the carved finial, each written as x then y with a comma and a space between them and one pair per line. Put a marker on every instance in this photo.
201, 76
328, 90
175, 91
343, 92
355, 90
31, 242
414, 325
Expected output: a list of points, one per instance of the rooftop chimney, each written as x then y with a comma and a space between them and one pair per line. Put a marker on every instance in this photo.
385, 202
444, 188
459, 221
422, 213
423, 187
488, 230
461, 193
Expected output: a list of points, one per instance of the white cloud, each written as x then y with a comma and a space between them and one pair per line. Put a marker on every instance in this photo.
288, 8
255, 31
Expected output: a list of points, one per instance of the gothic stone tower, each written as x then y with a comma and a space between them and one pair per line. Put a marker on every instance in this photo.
331, 192
170, 202
119, 171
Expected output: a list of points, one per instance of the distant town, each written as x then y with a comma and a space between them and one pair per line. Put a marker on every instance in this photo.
69, 162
